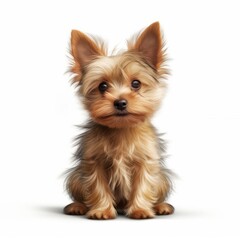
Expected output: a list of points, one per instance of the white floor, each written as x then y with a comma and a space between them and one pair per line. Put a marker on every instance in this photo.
48, 222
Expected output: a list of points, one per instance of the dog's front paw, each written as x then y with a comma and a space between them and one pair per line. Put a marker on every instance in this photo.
141, 213
102, 214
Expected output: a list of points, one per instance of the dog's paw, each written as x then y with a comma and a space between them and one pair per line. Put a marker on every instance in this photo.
163, 209
102, 214
141, 214
75, 209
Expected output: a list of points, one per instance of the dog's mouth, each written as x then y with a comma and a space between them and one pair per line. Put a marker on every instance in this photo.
119, 119
118, 114
122, 113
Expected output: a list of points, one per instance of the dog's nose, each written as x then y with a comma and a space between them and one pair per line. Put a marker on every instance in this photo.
120, 104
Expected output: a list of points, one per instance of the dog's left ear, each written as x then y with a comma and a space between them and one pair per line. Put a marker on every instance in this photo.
83, 49
149, 45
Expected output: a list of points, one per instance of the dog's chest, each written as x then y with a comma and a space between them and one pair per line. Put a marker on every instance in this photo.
124, 151
120, 175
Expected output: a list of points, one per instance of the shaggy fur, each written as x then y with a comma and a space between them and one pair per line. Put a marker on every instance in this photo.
119, 156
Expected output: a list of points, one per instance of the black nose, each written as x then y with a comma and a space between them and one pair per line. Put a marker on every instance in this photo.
120, 104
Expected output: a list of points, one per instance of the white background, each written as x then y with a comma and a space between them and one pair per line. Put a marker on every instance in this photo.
200, 115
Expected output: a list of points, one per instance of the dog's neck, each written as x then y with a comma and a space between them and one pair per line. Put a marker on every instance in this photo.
127, 129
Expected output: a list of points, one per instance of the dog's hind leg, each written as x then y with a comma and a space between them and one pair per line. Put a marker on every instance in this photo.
75, 208
75, 190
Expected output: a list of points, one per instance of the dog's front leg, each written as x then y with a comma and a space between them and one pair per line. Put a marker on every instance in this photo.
99, 198
140, 205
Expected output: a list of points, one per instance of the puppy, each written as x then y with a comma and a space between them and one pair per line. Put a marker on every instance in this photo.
119, 160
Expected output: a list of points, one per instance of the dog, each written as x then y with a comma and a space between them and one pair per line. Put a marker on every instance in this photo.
119, 158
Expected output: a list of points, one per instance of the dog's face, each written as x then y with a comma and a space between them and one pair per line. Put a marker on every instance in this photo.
122, 90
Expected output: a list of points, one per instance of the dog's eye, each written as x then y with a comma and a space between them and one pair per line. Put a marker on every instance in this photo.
103, 87
136, 84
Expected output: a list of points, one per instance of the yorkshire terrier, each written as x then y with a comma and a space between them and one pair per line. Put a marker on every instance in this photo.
120, 155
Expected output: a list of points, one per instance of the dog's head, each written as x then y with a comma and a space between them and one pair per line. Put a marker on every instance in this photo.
121, 90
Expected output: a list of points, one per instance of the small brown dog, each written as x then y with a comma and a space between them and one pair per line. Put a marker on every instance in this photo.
119, 156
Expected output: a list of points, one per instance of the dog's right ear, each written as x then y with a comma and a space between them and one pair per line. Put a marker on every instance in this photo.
83, 50
150, 45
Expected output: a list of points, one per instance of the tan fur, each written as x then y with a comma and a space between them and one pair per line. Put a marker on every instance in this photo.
118, 158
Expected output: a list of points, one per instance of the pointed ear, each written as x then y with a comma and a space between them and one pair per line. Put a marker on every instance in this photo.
83, 50
149, 44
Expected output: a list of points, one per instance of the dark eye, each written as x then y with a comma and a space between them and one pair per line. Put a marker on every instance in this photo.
103, 87
136, 84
